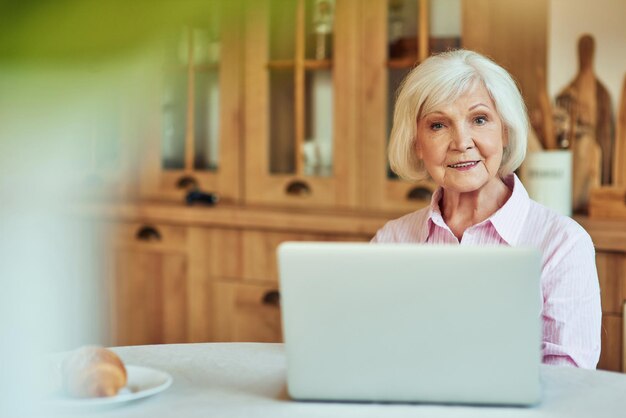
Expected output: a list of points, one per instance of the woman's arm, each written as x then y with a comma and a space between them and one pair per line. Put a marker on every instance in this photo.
572, 315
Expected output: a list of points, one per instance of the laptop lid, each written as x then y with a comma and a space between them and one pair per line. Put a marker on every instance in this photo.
411, 323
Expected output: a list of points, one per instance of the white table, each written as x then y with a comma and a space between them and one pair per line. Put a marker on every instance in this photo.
248, 380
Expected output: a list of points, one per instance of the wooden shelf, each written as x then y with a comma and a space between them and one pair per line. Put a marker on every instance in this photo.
308, 64
318, 64
281, 64
399, 63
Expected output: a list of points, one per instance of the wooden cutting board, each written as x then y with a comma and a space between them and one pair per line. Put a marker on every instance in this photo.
588, 104
548, 133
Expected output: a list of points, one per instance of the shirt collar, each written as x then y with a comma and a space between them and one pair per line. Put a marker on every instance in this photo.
508, 220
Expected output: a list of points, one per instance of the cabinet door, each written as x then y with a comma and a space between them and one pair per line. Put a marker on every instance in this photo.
194, 134
612, 275
150, 292
612, 354
396, 35
247, 312
514, 34
301, 102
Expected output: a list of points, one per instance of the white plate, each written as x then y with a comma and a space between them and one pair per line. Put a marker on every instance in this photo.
142, 382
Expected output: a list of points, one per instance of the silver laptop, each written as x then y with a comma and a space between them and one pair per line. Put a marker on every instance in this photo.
411, 323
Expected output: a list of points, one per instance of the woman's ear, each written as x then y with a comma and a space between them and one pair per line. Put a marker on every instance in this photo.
505, 136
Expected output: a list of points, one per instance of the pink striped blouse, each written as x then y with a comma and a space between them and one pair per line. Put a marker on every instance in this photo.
569, 280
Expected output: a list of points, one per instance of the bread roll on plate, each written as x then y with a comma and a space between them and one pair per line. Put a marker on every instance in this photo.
92, 371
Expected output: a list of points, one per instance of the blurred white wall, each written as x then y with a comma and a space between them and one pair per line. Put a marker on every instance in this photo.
54, 293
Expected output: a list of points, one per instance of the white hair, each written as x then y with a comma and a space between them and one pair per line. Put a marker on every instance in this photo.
441, 79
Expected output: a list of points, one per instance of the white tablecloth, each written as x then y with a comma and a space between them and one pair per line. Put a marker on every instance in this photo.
248, 380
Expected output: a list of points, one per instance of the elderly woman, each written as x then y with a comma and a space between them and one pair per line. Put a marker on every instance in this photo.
460, 120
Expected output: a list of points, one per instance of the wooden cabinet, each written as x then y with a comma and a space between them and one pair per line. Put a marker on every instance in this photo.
197, 274
612, 274
149, 289
609, 238
208, 278
193, 134
247, 312
283, 108
300, 112
246, 296
396, 35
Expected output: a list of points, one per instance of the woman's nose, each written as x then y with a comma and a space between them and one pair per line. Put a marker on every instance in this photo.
462, 139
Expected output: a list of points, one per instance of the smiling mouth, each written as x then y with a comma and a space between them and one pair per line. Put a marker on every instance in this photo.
464, 164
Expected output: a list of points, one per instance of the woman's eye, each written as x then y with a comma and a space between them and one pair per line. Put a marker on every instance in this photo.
435, 126
480, 120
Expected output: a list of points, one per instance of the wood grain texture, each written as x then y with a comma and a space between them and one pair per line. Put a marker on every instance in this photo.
608, 203
588, 104
548, 134
514, 34
157, 182
372, 131
620, 140
151, 298
612, 336
299, 87
243, 316
201, 258
423, 30
261, 185
612, 275
586, 171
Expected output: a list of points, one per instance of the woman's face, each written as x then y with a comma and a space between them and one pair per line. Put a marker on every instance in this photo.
461, 144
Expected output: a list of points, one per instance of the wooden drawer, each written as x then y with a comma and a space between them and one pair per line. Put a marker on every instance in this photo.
612, 276
246, 312
259, 252
151, 236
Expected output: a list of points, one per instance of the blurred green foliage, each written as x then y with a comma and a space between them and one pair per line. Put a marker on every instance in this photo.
78, 30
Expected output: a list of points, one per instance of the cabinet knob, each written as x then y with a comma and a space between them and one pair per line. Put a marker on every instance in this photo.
187, 182
196, 196
419, 193
298, 188
148, 233
271, 298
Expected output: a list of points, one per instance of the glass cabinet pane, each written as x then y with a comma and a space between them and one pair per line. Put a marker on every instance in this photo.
191, 68
282, 29
206, 135
445, 25
174, 120
281, 124
402, 28
318, 144
319, 29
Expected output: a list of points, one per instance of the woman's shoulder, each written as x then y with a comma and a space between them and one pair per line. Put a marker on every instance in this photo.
547, 225
407, 228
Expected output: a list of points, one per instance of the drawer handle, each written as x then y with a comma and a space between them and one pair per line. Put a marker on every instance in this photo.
271, 298
198, 197
187, 182
419, 193
148, 233
298, 188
